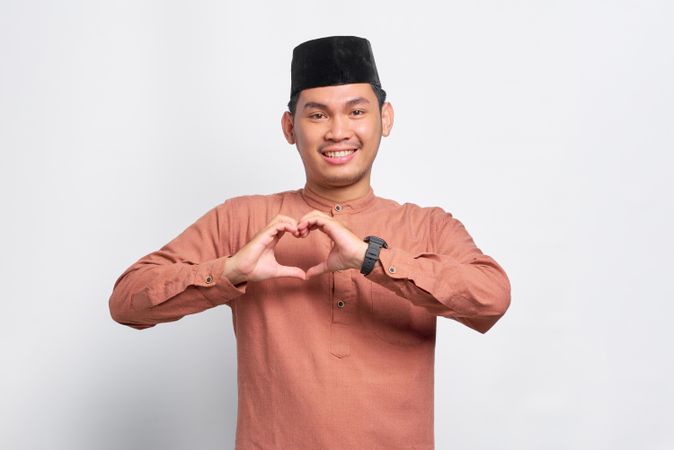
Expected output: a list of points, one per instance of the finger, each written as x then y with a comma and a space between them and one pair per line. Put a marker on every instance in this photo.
301, 233
311, 220
275, 232
296, 232
314, 213
271, 228
283, 227
280, 218
321, 223
289, 271
318, 269
291, 221
278, 236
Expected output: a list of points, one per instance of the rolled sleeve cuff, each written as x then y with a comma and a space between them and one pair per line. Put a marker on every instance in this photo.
392, 265
207, 277
396, 264
216, 287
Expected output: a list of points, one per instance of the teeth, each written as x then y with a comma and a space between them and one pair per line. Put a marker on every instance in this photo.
338, 154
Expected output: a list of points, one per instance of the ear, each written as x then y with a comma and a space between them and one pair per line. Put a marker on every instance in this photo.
288, 127
386, 118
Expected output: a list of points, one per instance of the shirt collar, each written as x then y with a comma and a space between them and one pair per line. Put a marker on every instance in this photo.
347, 207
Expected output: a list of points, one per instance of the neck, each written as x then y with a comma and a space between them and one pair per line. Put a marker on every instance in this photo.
341, 193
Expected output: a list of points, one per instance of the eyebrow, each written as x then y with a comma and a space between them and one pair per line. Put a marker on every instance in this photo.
353, 101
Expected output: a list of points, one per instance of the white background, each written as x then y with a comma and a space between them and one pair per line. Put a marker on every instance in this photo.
545, 127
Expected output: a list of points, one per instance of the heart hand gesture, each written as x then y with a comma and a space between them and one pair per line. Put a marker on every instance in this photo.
256, 260
348, 251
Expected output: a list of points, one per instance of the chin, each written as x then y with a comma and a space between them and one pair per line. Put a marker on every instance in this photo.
342, 181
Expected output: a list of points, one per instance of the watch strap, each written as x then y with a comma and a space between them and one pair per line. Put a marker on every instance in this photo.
374, 247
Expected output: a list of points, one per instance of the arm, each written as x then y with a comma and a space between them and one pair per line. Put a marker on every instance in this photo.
188, 275
455, 279
195, 271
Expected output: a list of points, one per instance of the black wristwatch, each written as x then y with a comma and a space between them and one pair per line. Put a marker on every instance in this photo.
372, 253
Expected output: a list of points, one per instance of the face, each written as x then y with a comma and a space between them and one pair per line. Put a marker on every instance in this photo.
337, 130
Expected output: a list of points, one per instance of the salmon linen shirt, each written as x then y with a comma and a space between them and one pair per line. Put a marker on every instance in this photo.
339, 361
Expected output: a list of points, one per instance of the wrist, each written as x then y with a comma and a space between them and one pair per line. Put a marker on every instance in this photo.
374, 246
231, 272
360, 258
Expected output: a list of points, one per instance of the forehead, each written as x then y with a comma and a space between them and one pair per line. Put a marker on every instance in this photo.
337, 95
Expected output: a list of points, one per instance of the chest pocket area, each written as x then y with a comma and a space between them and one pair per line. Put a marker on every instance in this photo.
396, 320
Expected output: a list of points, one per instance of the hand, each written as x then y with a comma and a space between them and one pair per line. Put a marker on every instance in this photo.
348, 250
256, 260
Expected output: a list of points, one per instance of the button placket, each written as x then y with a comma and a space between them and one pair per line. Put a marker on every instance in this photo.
342, 298
343, 313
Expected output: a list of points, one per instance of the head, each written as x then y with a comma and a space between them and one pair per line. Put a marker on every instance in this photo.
337, 113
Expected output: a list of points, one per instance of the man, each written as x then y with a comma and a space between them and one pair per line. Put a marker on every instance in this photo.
334, 291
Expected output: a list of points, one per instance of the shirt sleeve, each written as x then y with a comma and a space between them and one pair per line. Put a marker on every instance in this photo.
183, 277
454, 280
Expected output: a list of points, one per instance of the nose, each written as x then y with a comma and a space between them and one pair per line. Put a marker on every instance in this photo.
339, 129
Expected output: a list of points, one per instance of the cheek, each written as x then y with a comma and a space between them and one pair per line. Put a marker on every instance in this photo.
367, 130
306, 146
301, 143
307, 137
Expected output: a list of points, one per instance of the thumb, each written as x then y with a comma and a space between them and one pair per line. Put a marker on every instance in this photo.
288, 271
317, 269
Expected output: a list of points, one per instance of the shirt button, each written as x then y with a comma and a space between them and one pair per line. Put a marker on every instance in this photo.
209, 279
392, 269
340, 303
338, 208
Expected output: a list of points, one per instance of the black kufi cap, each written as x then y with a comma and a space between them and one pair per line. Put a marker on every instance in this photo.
331, 61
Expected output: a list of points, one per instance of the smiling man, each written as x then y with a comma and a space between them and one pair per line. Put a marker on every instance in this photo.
335, 292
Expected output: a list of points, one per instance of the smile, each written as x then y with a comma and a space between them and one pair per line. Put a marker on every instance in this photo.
339, 156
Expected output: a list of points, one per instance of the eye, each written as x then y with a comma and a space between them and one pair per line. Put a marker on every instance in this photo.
358, 112
316, 115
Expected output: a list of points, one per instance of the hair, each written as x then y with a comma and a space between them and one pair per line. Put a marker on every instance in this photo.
378, 91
